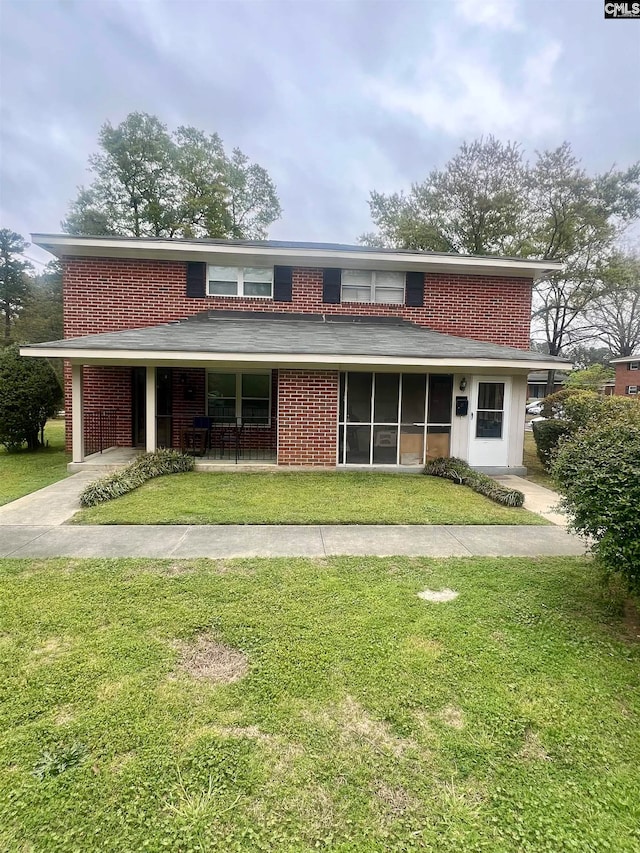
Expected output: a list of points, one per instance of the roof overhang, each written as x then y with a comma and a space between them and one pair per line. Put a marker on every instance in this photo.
622, 360
169, 358
236, 254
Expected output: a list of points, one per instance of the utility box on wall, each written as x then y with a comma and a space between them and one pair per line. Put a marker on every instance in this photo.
462, 406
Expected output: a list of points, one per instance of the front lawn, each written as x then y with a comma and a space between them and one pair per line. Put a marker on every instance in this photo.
303, 498
361, 718
26, 471
536, 472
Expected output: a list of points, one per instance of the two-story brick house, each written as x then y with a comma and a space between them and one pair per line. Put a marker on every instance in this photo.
627, 381
303, 354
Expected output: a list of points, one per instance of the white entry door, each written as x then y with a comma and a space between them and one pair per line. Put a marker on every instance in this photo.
489, 421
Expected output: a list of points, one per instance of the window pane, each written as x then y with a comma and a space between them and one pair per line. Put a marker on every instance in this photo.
359, 397
356, 278
263, 274
223, 288
385, 445
257, 289
489, 425
356, 294
390, 279
386, 398
390, 295
438, 442
411, 445
358, 445
222, 409
222, 384
440, 397
491, 395
413, 391
255, 411
256, 385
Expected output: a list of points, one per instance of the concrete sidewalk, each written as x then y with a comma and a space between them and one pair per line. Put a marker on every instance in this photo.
183, 541
33, 526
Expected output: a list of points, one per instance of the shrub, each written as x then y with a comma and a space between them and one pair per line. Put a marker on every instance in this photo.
598, 468
460, 472
547, 434
30, 394
126, 479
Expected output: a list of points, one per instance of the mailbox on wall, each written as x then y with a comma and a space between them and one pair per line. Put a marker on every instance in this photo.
462, 406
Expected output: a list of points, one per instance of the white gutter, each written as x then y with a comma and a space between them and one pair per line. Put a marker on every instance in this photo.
169, 357
228, 254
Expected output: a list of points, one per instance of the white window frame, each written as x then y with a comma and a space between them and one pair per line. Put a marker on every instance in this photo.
634, 365
239, 273
373, 288
238, 375
632, 390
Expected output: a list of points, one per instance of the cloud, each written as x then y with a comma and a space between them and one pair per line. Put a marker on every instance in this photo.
494, 14
462, 91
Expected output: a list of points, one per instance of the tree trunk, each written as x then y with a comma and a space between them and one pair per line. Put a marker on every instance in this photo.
551, 381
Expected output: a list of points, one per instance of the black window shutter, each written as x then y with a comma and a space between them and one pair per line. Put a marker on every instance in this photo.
196, 279
283, 284
331, 279
414, 293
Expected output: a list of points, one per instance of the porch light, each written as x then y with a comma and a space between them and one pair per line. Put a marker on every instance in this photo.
463, 383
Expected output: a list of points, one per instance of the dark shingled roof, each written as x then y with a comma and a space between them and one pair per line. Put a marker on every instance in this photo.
301, 334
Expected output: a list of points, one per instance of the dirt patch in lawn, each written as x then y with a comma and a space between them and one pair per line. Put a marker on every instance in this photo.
207, 659
452, 716
532, 748
632, 621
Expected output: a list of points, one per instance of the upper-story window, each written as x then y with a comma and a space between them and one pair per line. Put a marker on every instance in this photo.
634, 365
373, 286
240, 281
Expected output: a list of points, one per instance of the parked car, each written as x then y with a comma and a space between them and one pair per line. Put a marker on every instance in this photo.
534, 408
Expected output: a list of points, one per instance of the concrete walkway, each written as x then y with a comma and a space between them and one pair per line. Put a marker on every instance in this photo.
33, 526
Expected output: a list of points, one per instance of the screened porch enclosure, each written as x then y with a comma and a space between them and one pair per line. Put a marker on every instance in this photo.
394, 418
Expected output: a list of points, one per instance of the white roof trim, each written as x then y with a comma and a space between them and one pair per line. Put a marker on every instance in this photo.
62, 245
635, 357
169, 357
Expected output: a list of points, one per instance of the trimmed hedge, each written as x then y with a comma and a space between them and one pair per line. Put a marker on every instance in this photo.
126, 479
547, 434
460, 472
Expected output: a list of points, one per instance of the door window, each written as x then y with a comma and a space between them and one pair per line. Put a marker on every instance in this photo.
490, 411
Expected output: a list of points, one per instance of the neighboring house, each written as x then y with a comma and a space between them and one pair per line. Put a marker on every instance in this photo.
627, 375
300, 353
537, 383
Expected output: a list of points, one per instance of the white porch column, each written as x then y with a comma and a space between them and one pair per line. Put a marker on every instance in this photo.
77, 414
150, 415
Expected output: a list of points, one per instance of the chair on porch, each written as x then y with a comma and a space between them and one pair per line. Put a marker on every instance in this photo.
196, 439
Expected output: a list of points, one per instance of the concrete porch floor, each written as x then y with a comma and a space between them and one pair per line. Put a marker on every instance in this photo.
116, 457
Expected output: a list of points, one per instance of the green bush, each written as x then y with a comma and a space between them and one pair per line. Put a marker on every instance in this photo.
547, 434
126, 479
598, 469
460, 472
30, 394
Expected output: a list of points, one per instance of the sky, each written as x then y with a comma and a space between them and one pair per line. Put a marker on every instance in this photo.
334, 99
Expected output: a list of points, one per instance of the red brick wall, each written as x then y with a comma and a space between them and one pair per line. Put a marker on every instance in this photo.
103, 295
625, 377
308, 417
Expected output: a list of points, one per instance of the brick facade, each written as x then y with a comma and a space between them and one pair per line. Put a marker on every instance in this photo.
626, 377
110, 294
308, 419
107, 295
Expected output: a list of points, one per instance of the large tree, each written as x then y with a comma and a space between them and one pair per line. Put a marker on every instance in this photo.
30, 393
489, 200
614, 314
14, 279
41, 319
149, 182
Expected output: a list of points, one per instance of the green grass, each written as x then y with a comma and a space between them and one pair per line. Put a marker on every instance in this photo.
26, 471
535, 470
369, 720
305, 498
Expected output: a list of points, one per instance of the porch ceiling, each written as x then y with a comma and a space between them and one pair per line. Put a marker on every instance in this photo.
287, 339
